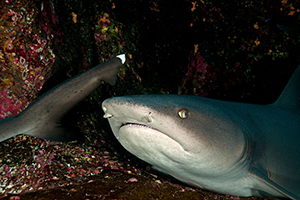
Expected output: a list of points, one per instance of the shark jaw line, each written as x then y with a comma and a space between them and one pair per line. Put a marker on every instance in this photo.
133, 125
143, 126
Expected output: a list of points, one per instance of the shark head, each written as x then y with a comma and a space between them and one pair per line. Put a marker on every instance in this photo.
177, 134
227, 147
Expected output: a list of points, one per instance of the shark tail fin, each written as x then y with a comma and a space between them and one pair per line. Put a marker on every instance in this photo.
44, 118
58, 131
290, 97
110, 72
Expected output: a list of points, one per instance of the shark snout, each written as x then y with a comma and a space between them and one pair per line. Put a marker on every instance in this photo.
126, 111
105, 109
113, 109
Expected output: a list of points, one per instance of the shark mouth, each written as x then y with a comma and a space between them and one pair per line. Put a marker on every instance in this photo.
136, 125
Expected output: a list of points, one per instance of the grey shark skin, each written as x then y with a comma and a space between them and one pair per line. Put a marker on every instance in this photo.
227, 147
43, 117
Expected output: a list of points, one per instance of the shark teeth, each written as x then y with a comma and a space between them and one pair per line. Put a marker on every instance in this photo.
136, 125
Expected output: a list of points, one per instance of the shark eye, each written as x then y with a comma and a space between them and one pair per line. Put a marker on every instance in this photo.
183, 114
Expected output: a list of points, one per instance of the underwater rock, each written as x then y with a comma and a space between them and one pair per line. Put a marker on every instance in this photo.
26, 56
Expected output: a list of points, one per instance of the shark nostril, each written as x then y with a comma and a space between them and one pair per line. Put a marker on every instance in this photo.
148, 118
107, 115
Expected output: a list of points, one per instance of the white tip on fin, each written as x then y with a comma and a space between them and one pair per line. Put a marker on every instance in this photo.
122, 57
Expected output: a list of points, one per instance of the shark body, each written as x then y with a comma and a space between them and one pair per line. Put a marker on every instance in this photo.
43, 117
227, 147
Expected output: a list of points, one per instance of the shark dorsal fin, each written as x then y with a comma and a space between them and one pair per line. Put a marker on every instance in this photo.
290, 97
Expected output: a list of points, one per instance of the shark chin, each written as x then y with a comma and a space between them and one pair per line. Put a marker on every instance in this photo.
151, 145
142, 129
136, 137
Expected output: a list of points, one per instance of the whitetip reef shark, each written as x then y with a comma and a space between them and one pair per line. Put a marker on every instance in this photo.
42, 118
227, 147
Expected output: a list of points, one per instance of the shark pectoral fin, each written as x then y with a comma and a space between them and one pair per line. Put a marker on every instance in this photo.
271, 184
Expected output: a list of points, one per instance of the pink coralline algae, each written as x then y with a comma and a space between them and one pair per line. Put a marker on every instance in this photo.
42, 165
10, 105
26, 58
198, 74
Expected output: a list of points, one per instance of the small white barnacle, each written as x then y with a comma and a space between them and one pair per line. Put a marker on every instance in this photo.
183, 113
